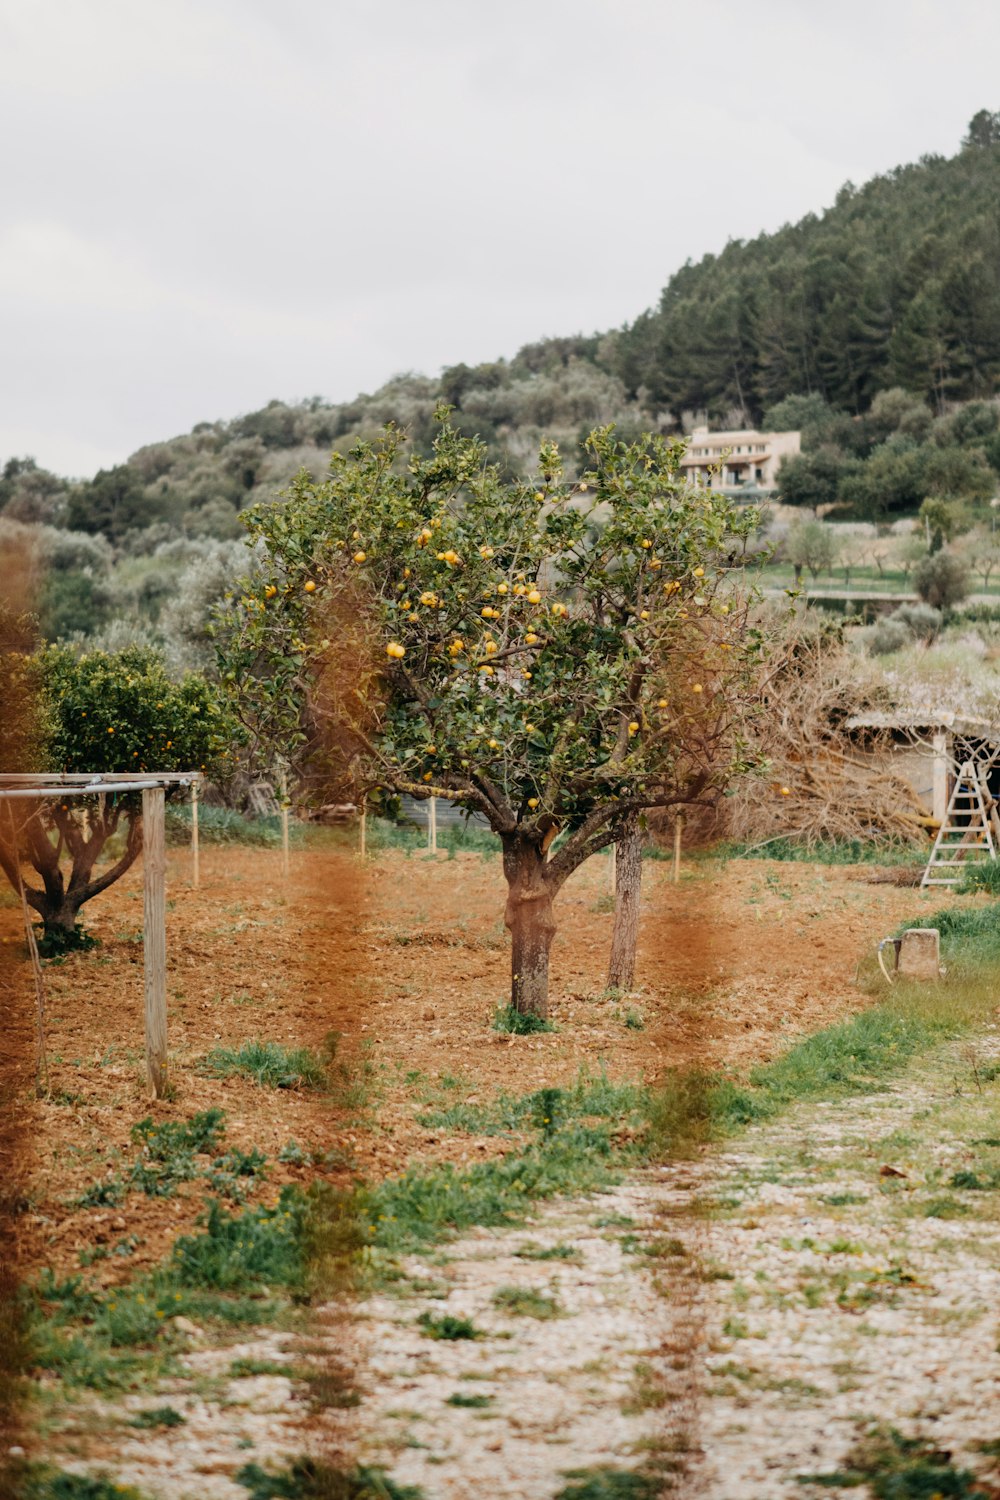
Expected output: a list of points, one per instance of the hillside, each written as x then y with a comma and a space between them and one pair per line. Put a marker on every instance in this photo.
874, 327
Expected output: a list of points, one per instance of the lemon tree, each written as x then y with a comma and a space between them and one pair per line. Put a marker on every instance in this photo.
555, 656
103, 712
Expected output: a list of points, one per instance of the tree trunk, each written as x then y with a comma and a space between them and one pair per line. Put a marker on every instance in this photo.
798, 574
528, 917
628, 883
59, 920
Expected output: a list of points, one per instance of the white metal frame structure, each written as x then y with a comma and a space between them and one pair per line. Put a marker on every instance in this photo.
153, 788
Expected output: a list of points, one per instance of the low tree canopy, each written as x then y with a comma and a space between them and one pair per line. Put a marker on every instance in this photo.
555, 657
102, 713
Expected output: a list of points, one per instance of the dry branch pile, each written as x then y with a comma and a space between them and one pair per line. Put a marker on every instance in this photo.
822, 784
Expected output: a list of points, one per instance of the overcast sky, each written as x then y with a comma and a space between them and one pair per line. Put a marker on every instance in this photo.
209, 203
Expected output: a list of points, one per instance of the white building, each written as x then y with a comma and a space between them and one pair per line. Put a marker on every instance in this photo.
736, 461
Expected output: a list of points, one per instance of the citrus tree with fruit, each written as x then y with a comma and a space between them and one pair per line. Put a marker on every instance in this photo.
555, 656
101, 712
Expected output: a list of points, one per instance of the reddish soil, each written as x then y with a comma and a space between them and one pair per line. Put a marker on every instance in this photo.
406, 958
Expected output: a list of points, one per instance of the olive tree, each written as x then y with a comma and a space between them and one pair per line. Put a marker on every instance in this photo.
557, 657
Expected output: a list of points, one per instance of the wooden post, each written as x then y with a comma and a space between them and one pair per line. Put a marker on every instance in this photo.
613, 870
155, 937
678, 831
432, 825
195, 867
941, 789
284, 823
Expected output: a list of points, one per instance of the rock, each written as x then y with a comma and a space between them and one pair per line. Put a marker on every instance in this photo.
184, 1325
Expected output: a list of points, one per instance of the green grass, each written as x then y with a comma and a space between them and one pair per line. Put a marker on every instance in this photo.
446, 1326
511, 1022
452, 839
223, 825
43, 1483
474, 1403
900, 1468
845, 852
270, 1065
157, 1417
525, 1302
311, 1479
610, 1484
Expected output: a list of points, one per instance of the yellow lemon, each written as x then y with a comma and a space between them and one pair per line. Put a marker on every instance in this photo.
531, 638
534, 597
394, 649
270, 591
644, 614
501, 588
310, 587
359, 557
633, 728
429, 598
699, 572
696, 687
532, 801
786, 791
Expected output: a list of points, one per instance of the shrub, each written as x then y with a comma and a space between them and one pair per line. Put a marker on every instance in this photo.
941, 579
888, 636
922, 619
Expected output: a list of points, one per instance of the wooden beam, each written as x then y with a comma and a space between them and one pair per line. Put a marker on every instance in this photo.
155, 937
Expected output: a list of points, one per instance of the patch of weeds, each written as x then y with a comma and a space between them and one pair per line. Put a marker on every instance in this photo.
229, 1174
857, 1293
525, 1302
169, 1150
841, 1200
511, 1022
614, 1221
156, 1417
58, 941
332, 1389
242, 1369
311, 1479
446, 1326
43, 1483
270, 1065
106, 1194
647, 1392
293, 1153
474, 1403
424, 1205
973, 1183
735, 1328
549, 1252
900, 1468
634, 1019
944, 1206
610, 1484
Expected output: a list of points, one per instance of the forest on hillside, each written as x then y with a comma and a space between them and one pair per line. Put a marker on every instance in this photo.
873, 327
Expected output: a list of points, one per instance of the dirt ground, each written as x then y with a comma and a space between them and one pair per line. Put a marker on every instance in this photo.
406, 958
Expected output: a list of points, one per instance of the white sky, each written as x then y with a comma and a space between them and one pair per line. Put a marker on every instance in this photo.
209, 203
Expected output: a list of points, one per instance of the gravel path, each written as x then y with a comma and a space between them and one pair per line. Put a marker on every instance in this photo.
734, 1324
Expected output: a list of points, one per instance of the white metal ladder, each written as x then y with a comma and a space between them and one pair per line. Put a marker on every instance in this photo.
970, 841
